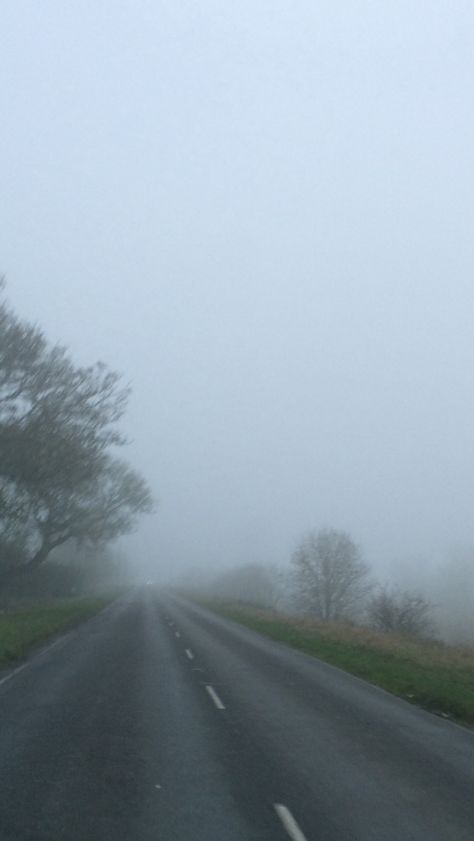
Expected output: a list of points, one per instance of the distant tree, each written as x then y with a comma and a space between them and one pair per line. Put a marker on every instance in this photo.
452, 589
282, 587
332, 580
69, 571
252, 583
400, 611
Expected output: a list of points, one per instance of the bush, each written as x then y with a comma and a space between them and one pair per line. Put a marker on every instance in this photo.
400, 611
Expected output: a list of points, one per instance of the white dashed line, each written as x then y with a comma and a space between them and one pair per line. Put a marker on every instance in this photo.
177, 634
217, 701
289, 822
189, 654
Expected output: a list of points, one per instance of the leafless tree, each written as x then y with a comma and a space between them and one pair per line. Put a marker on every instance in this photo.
331, 578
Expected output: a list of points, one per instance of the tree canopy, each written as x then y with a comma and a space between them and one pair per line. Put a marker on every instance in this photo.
60, 478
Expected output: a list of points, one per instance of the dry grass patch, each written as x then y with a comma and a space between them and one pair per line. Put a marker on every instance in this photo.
434, 675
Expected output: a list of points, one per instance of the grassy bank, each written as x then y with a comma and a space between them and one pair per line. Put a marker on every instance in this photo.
435, 676
24, 628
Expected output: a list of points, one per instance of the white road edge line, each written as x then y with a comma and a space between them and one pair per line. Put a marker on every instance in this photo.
217, 701
289, 822
189, 654
13, 673
177, 634
48, 647
65, 636
30, 662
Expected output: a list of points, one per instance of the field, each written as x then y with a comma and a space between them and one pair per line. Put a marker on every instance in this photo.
24, 628
435, 676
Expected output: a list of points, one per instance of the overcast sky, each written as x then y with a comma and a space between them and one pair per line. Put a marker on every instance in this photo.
262, 213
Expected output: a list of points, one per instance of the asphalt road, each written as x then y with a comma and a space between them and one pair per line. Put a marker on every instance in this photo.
158, 720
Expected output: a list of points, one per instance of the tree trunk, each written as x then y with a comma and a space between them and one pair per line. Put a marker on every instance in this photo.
38, 557
17, 572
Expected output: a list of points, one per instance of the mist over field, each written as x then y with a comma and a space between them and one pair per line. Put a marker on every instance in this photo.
262, 215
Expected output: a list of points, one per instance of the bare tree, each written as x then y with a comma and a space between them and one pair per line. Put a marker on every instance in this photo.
331, 578
400, 611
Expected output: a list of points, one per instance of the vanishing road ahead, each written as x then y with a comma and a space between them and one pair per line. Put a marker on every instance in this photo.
158, 721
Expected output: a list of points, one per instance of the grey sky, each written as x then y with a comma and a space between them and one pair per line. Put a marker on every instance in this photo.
262, 213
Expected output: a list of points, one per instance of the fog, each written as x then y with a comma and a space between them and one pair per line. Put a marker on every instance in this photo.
262, 214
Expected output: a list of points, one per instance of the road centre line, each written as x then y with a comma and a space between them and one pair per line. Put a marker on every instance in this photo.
289, 822
213, 694
189, 654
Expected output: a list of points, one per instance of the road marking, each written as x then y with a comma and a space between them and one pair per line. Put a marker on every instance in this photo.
189, 654
177, 634
31, 662
212, 692
13, 673
289, 822
49, 647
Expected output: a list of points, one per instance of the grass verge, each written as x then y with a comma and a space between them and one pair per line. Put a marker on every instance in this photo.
431, 674
24, 628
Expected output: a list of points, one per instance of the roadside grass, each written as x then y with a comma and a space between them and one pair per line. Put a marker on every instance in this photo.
24, 628
431, 674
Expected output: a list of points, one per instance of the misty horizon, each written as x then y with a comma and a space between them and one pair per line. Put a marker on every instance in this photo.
262, 217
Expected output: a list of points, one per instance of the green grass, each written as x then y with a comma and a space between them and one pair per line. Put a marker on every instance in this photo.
437, 677
23, 629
